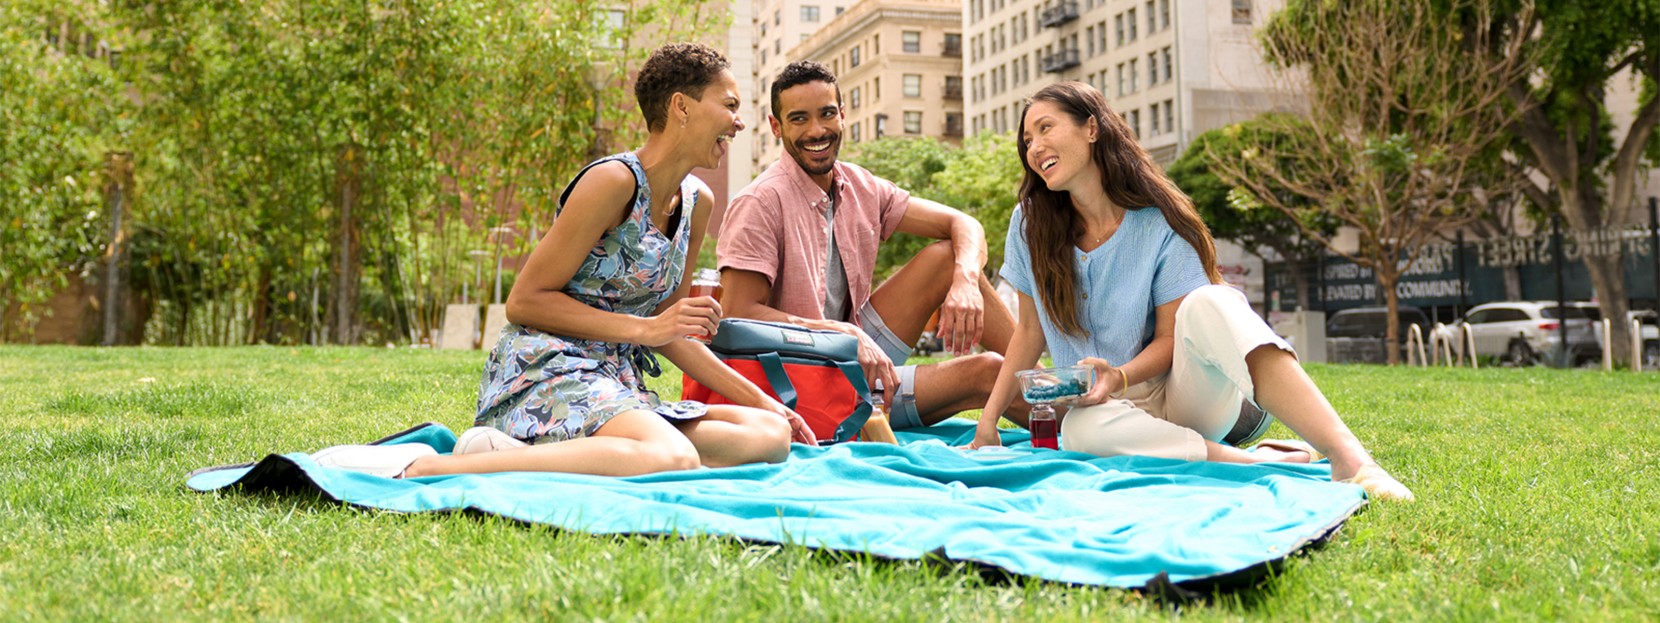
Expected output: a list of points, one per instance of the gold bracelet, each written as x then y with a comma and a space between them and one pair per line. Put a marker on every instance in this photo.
1123, 389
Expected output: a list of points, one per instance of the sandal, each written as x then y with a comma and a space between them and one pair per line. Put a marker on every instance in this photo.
1291, 445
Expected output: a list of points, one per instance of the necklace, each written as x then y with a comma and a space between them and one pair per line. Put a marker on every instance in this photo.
1111, 229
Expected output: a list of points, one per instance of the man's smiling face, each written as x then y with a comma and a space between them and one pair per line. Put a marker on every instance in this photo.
809, 120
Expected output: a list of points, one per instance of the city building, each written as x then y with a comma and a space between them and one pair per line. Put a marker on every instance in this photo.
899, 66
1172, 69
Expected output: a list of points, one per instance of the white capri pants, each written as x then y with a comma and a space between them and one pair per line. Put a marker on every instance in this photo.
1171, 416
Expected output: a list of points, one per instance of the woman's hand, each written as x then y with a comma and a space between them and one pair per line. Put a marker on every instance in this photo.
687, 316
1109, 382
985, 436
799, 431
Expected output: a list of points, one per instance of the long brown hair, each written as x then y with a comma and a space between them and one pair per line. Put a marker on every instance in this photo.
1131, 180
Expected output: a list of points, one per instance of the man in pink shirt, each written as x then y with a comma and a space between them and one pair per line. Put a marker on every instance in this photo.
799, 245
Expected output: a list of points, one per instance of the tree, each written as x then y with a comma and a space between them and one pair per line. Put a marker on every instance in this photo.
1236, 214
59, 113
1581, 49
1394, 133
982, 178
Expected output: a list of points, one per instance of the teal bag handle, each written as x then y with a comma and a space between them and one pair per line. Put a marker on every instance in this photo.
861, 414
773, 366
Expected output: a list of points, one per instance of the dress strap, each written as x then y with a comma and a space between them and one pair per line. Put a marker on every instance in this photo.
627, 158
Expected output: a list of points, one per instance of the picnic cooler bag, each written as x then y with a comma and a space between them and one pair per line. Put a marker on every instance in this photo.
812, 371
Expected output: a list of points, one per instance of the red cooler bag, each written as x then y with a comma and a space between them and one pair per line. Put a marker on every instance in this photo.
814, 372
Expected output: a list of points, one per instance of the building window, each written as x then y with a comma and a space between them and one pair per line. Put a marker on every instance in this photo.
778, 45
881, 125
1241, 11
1169, 116
611, 23
1123, 87
1129, 20
853, 99
777, 18
839, 10
853, 57
912, 40
1164, 14
876, 44
913, 85
1169, 73
876, 90
1153, 118
913, 122
1134, 120
953, 44
1152, 18
809, 13
1135, 83
855, 131
953, 124
1153, 69
1118, 27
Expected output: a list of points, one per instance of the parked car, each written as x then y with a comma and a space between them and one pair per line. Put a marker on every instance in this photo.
1525, 332
1650, 330
1357, 335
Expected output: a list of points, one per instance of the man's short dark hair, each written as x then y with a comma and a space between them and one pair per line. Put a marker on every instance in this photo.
687, 68
801, 72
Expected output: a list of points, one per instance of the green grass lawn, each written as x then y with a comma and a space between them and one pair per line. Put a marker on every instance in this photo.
1537, 489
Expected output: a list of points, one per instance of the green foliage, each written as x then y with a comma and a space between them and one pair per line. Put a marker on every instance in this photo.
256, 125
58, 115
1236, 214
1535, 502
981, 178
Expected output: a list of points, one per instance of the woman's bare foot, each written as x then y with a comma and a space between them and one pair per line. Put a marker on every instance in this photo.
1379, 485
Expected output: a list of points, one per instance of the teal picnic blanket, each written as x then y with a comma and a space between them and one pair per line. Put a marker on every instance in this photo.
1130, 522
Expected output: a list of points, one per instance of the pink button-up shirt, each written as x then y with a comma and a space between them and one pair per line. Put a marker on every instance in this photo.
775, 226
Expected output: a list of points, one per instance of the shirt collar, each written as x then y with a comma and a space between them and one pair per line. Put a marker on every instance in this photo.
805, 185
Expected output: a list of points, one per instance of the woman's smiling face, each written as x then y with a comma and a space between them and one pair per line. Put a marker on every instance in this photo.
1057, 146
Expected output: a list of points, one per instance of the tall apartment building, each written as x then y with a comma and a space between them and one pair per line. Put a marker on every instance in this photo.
777, 27
1173, 69
898, 63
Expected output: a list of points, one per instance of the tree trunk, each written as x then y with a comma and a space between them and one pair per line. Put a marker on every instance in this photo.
348, 250
1587, 217
1608, 277
118, 167
1392, 325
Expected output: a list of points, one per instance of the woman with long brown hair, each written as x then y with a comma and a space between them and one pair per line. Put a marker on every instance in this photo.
1126, 274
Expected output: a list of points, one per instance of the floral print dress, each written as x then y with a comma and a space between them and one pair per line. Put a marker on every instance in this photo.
546, 388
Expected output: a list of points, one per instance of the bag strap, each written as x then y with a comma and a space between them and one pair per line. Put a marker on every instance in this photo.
773, 366
861, 413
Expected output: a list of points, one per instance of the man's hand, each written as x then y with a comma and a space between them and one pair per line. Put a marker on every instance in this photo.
962, 316
877, 366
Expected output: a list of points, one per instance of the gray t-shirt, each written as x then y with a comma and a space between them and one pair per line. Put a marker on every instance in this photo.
836, 295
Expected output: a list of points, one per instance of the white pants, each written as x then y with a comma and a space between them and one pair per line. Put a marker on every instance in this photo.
1172, 416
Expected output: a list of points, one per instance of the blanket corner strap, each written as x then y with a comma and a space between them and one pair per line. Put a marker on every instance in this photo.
773, 366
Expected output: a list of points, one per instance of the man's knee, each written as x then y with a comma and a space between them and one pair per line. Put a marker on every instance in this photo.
984, 371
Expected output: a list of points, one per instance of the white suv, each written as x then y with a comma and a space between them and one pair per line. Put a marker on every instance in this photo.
1527, 332
1651, 331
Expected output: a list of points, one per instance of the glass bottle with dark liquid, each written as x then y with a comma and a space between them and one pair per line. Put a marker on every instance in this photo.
1043, 386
